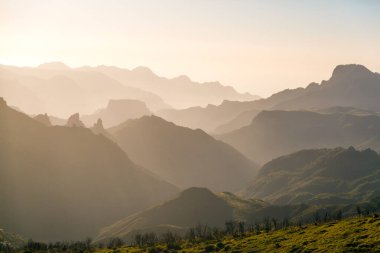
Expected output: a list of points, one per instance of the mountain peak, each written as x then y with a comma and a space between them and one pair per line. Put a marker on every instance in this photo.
196, 192
2, 102
348, 70
43, 118
182, 78
143, 70
54, 65
98, 126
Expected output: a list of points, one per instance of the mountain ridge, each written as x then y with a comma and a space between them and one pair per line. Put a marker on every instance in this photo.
79, 185
183, 156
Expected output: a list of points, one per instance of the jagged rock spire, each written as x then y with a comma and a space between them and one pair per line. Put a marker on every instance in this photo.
74, 121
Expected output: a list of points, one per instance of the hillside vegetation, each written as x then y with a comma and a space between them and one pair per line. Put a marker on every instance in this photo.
358, 234
318, 176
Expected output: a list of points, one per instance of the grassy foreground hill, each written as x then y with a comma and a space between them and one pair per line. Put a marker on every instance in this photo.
358, 234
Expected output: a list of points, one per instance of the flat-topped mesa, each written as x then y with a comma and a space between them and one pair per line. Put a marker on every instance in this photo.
122, 104
74, 121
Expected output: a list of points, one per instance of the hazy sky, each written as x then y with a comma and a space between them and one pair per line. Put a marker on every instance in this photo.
255, 46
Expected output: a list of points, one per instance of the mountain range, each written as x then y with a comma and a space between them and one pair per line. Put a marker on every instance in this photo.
183, 156
64, 183
124, 153
350, 85
180, 92
275, 133
59, 90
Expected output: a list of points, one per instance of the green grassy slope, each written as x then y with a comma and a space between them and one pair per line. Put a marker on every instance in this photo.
358, 234
319, 177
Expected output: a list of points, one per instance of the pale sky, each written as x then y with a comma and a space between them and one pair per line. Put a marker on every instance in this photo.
255, 46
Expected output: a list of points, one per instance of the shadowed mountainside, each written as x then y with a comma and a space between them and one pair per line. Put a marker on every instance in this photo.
63, 183
275, 133
183, 156
319, 176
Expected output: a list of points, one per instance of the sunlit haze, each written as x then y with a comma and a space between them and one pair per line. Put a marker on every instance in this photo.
255, 46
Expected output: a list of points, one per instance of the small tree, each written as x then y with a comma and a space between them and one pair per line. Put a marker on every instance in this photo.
339, 215
241, 226
230, 227
359, 210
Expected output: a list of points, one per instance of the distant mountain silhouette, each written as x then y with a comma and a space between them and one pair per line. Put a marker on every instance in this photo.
54, 66
349, 86
61, 91
206, 118
55, 121
320, 176
64, 183
183, 156
43, 118
74, 121
98, 128
180, 92
275, 133
243, 119
118, 111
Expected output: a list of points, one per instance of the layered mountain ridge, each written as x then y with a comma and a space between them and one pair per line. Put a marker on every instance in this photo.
183, 156
69, 177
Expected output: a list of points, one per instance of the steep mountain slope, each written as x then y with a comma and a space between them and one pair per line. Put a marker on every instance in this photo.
349, 86
63, 183
275, 133
181, 92
117, 111
183, 156
322, 176
62, 91
243, 119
